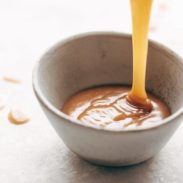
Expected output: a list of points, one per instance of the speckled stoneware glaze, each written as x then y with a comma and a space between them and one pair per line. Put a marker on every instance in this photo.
106, 58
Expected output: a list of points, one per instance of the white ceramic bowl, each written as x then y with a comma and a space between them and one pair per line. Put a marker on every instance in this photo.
106, 58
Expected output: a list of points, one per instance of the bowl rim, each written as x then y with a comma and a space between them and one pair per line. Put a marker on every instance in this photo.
44, 101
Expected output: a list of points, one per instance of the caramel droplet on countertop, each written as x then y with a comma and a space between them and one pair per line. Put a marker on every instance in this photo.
11, 79
18, 116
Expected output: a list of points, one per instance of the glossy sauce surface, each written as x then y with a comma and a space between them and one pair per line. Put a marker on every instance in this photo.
107, 106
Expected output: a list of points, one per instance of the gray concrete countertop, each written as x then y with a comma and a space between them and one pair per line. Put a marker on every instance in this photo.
33, 153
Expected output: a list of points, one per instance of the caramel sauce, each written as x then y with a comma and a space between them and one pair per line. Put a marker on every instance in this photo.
107, 106
122, 106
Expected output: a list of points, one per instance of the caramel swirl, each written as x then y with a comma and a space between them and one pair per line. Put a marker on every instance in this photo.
108, 106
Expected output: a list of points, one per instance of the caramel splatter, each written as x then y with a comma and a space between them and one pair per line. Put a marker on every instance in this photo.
18, 116
11, 79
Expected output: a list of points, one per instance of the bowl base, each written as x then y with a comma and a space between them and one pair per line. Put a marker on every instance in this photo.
112, 163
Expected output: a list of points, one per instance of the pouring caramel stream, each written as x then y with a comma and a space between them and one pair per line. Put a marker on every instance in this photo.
113, 106
141, 10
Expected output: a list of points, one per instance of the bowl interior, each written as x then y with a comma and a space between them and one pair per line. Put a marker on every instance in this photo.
99, 59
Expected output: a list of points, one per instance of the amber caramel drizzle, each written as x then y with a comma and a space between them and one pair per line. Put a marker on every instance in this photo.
123, 111
92, 105
107, 105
